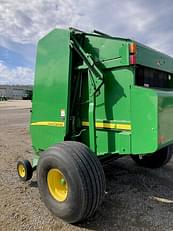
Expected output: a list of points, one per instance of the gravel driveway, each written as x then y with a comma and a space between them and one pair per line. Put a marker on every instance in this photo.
136, 199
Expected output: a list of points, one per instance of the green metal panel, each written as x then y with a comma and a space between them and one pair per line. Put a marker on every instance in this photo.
151, 58
111, 141
124, 142
144, 120
152, 124
51, 88
108, 52
165, 113
113, 106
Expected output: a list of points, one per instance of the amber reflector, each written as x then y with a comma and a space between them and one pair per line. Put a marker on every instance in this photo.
132, 48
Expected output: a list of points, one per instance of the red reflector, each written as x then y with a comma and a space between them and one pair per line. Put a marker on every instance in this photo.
132, 59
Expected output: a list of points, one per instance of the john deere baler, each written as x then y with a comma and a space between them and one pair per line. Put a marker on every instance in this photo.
95, 98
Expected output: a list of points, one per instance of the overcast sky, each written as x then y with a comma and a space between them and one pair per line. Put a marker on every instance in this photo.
24, 22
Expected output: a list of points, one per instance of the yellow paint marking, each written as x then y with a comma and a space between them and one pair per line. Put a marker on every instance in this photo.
48, 123
86, 124
124, 126
109, 125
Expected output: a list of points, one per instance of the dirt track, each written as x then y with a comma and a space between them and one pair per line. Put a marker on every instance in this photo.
137, 198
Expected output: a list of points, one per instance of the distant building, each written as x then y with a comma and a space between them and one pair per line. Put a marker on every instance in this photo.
15, 91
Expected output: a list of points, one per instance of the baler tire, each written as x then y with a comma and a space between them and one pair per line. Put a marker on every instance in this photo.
84, 180
24, 170
155, 160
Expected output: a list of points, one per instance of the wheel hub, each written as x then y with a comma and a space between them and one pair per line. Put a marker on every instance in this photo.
57, 185
21, 170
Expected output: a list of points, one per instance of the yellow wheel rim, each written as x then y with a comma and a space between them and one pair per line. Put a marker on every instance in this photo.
57, 184
21, 170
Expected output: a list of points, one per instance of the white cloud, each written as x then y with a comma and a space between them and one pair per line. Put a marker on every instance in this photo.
23, 23
18, 75
27, 21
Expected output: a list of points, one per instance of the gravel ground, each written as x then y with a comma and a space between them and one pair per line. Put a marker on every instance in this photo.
136, 199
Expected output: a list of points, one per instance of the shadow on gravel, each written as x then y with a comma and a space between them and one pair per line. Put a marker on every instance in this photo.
137, 199
33, 184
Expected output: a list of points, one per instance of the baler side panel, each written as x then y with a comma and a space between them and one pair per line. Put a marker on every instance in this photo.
51, 90
108, 52
165, 114
144, 120
112, 104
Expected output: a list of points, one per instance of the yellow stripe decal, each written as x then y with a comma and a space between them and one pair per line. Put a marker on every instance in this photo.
86, 124
48, 123
109, 125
